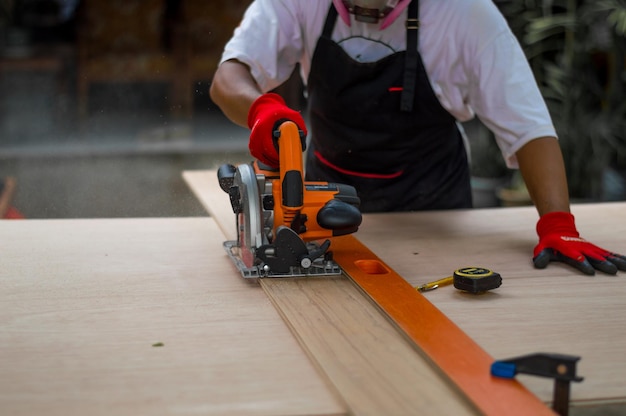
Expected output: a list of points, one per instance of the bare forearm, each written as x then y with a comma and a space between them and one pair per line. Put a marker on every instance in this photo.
234, 90
542, 167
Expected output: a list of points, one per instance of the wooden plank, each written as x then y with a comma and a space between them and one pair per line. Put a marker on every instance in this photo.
372, 365
550, 310
85, 304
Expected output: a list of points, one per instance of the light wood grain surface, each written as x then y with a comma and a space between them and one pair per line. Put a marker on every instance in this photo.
142, 316
372, 366
551, 310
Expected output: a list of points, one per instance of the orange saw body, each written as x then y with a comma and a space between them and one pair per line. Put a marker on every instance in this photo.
281, 219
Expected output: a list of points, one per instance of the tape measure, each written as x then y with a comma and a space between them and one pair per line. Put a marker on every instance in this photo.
468, 279
476, 279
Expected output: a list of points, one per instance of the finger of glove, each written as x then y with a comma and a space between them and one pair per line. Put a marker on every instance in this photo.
602, 259
605, 266
261, 142
543, 257
297, 118
574, 254
279, 115
618, 260
547, 255
603, 256
301, 129
582, 265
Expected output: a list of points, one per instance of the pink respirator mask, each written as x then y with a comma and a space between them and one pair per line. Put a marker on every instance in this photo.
371, 11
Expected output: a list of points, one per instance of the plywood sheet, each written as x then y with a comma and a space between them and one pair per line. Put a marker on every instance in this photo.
142, 316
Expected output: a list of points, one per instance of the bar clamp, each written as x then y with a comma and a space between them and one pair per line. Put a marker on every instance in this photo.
560, 367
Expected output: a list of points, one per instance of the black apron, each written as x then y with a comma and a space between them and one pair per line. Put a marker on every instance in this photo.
383, 131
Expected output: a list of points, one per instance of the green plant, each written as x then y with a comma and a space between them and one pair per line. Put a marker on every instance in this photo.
576, 49
486, 159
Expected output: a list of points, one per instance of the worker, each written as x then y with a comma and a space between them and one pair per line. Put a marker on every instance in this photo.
388, 82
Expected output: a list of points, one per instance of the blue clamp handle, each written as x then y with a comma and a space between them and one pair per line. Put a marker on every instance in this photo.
503, 369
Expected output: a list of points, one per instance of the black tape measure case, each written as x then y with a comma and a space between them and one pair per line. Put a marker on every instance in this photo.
476, 279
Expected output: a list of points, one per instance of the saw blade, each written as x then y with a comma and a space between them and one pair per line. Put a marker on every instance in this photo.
250, 221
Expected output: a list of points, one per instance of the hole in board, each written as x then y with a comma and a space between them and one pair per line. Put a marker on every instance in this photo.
371, 266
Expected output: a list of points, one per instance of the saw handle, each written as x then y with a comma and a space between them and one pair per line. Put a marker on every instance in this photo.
291, 170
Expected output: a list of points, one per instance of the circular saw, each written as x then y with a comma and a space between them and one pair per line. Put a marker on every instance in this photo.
284, 224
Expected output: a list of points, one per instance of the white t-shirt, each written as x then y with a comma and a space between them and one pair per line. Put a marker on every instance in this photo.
474, 63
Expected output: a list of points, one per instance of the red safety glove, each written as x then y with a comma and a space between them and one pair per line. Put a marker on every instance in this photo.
559, 241
13, 214
265, 116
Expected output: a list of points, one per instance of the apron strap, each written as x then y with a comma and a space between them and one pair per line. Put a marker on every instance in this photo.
410, 63
331, 18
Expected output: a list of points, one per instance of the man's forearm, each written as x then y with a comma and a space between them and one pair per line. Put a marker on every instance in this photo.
234, 90
542, 167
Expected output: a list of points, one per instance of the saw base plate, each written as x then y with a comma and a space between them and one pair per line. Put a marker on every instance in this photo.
319, 267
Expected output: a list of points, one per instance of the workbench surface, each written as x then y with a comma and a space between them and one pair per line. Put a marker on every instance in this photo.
137, 316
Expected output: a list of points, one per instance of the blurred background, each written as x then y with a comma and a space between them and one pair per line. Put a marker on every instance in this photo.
103, 103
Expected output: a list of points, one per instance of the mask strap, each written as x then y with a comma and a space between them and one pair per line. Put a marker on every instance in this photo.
342, 9
391, 17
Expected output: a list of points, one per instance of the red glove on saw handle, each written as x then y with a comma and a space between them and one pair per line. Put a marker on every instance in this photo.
265, 116
559, 241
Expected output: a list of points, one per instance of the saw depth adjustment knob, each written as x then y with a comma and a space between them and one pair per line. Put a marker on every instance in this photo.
226, 176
